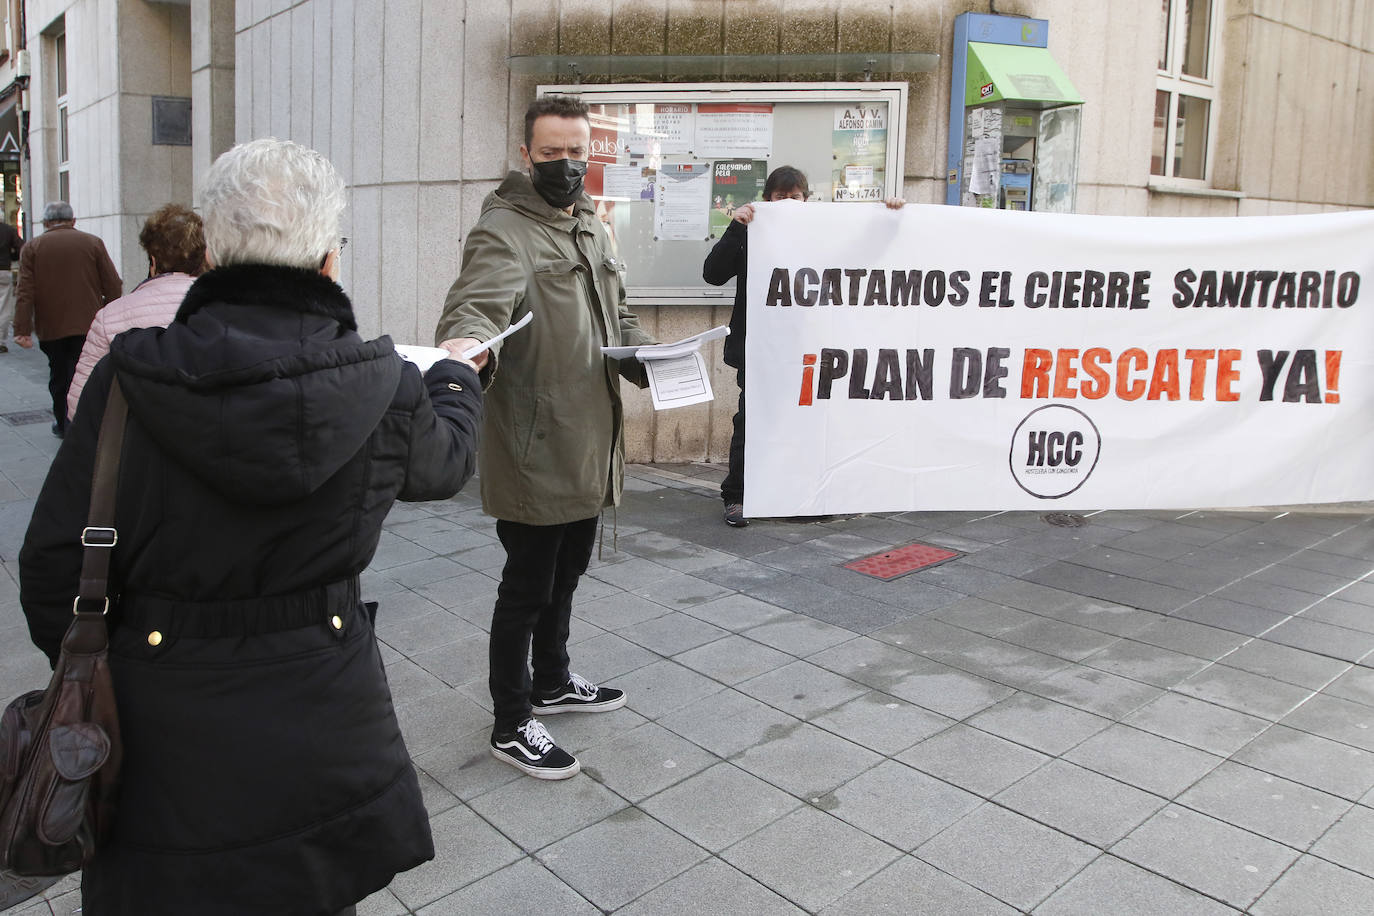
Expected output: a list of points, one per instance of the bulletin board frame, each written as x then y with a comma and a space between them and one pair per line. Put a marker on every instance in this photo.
652, 196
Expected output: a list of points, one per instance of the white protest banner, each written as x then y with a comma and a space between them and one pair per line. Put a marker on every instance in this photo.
957, 358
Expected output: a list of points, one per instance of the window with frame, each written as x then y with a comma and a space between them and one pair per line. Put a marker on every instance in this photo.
670, 161
1185, 90
64, 188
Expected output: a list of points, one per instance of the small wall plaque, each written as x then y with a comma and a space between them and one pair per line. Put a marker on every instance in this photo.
171, 121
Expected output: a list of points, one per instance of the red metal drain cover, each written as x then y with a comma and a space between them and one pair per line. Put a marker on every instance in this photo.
901, 560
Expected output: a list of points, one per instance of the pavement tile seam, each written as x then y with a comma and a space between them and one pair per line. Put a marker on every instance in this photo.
713, 858
954, 660
1234, 821
980, 812
897, 853
1166, 796
1294, 553
1059, 829
1169, 878
1319, 691
1177, 879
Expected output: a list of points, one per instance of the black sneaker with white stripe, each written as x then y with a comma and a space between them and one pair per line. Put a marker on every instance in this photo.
530, 749
578, 695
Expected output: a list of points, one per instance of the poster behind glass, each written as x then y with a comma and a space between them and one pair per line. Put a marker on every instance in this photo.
667, 177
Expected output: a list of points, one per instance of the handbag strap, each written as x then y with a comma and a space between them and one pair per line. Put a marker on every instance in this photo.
99, 536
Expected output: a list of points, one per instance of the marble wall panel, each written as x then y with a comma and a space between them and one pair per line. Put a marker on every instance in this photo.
302, 74
281, 66
442, 88
400, 265
368, 79
364, 258
401, 58
340, 88
321, 76
440, 245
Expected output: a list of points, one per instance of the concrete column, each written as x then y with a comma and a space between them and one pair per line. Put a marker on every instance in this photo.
212, 84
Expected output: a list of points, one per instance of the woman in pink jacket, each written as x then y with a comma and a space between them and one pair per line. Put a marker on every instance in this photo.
175, 243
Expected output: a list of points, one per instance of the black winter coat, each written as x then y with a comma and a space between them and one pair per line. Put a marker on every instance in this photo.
729, 257
264, 770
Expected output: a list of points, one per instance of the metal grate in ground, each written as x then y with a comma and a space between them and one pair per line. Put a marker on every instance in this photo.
26, 417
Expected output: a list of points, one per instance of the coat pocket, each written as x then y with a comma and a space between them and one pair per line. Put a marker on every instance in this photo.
529, 417
559, 271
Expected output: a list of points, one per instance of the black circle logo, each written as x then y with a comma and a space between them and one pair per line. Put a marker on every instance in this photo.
1054, 451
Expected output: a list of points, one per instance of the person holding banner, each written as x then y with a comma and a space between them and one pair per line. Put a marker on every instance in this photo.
729, 259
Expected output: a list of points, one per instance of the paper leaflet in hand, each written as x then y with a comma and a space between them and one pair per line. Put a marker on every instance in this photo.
424, 357
677, 373
477, 350
678, 381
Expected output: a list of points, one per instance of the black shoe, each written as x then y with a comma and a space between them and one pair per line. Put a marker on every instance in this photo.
530, 749
58, 431
734, 516
4, 349
578, 695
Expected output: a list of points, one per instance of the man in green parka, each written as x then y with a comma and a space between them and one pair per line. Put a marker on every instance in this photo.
551, 454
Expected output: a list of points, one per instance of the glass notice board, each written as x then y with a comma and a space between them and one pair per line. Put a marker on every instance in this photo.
670, 163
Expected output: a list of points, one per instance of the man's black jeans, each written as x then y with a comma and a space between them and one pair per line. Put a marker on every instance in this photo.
732, 487
63, 354
533, 609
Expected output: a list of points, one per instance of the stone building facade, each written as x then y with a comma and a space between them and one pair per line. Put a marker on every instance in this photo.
416, 103
107, 75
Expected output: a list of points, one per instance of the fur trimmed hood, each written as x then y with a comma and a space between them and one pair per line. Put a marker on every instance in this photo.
296, 288
261, 386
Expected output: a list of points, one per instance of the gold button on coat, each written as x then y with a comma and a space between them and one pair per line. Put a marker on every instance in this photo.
336, 622
155, 638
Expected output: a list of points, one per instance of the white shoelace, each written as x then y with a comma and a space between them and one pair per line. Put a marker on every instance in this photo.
584, 687
536, 734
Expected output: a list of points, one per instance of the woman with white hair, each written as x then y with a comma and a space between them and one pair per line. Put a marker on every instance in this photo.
264, 771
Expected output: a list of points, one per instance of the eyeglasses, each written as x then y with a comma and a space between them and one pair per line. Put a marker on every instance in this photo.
343, 243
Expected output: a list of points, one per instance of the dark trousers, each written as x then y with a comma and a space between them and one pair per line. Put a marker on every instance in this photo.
63, 355
732, 487
533, 610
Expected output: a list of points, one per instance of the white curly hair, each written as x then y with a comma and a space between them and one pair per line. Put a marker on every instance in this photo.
271, 201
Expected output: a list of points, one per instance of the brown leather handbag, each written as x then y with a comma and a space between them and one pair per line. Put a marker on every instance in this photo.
60, 749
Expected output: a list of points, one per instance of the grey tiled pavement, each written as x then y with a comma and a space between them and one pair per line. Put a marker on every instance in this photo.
1160, 712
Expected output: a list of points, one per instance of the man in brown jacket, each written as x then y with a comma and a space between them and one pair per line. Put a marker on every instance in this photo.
65, 276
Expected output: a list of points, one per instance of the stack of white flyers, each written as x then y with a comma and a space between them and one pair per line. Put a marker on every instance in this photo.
677, 372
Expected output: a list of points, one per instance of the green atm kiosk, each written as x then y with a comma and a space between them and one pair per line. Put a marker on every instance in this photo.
1013, 139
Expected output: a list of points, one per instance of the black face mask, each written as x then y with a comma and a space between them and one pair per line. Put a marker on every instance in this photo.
559, 181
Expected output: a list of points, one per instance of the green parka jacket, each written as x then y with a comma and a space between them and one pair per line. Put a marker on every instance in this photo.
552, 449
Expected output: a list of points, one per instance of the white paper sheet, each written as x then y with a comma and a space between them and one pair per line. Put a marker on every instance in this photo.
734, 131
678, 382
656, 130
986, 167
682, 202
628, 182
474, 352
422, 357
